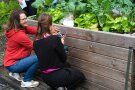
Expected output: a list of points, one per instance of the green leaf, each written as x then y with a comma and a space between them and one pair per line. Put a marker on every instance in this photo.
106, 29
37, 4
48, 2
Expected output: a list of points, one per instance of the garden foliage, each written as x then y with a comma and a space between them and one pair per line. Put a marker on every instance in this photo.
106, 15
6, 9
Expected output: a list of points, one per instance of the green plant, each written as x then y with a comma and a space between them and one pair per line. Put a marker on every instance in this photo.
38, 3
46, 6
108, 15
75, 7
86, 20
125, 7
42, 3
57, 14
122, 22
100, 8
119, 25
6, 9
42, 6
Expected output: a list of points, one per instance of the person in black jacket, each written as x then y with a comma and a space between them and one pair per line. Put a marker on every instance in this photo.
53, 59
133, 1
29, 9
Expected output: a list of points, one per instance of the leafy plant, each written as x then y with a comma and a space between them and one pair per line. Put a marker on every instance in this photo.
38, 4
6, 9
42, 3
42, 6
119, 25
76, 7
124, 7
86, 20
57, 14
104, 11
101, 8
107, 15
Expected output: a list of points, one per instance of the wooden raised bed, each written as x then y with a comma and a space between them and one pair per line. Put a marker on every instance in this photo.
103, 57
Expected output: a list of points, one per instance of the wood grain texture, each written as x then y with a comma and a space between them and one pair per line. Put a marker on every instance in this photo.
101, 56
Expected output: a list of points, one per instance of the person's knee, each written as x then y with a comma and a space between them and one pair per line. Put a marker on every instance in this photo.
13, 70
36, 63
34, 58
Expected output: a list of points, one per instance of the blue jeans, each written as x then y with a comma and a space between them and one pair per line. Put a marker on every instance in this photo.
28, 65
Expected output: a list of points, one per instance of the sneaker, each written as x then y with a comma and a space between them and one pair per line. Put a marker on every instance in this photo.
35, 82
61, 88
15, 76
29, 84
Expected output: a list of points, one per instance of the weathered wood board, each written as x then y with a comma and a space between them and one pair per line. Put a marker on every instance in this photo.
100, 55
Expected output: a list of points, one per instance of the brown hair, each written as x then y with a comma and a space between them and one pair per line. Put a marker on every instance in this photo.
14, 20
44, 23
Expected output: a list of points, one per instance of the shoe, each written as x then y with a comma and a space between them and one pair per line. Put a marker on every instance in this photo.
35, 82
61, 88
16, 76
29, 84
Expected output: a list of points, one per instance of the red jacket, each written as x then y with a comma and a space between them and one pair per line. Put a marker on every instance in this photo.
19, 45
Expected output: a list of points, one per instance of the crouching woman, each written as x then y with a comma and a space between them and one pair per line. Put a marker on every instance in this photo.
52, 58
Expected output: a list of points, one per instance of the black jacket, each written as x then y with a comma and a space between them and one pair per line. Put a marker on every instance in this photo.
50, 52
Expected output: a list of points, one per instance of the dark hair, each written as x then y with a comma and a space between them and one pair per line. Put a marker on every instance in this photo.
14, 20
44, 23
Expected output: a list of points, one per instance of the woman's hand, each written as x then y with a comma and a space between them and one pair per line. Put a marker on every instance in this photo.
20, 1
63, 39
54, 30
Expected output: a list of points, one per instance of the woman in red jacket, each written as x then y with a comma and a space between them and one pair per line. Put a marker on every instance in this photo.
19, 46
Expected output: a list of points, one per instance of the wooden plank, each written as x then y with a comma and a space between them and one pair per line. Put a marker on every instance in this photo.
4, 85
103, 49
98, 69
114, 39
100, 80
10, 81
103, 81
102, 60
93, 86
32, 22
42, 85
